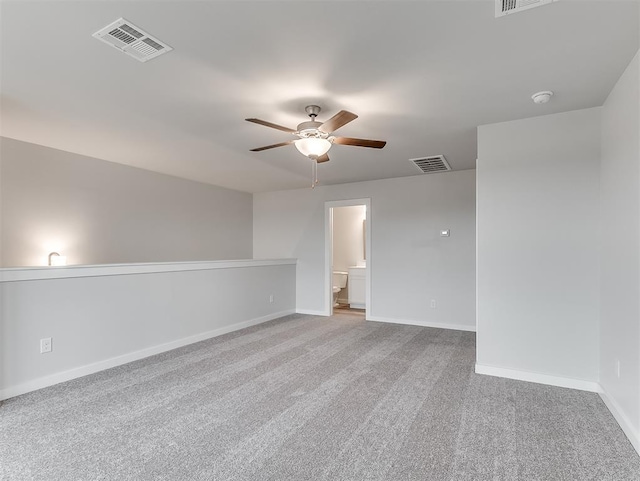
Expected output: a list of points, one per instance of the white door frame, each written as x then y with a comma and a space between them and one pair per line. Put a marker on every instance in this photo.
328, 251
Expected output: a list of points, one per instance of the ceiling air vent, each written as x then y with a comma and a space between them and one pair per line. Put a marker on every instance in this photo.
505, 7
431, 165
132, 40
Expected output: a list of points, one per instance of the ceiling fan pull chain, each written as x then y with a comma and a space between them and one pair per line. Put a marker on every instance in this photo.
315, 170
312, 175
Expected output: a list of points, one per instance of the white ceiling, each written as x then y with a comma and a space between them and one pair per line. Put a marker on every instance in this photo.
421, 75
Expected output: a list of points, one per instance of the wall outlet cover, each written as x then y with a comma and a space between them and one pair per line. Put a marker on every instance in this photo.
45, 345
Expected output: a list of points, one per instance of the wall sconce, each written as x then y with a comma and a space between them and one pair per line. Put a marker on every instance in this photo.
56, 259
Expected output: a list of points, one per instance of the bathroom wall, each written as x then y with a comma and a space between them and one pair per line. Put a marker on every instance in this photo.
348, 240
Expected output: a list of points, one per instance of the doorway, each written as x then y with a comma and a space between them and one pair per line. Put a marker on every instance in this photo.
348, 255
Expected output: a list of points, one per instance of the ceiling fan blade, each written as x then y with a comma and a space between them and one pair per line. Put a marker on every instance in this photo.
323, 158
374, 144
269, 124
281, 144
338, 120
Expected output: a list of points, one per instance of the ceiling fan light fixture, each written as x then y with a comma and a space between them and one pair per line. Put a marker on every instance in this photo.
312, 147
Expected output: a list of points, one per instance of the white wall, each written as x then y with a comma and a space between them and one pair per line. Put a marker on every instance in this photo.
98, 212
620, 282
410, 264
348, 240
108, 320
538, 252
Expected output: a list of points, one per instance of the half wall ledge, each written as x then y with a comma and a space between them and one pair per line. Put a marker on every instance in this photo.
15, 274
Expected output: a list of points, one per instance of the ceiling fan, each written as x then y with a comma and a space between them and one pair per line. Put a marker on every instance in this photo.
314, 139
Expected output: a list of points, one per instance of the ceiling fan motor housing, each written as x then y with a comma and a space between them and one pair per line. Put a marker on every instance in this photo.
311, 129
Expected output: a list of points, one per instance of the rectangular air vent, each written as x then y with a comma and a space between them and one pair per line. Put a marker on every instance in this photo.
132, 40
432, 164
505, 7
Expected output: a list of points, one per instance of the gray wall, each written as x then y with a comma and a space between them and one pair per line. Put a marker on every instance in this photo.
620, 314
410, 264
538, 244
98, 212
106, 320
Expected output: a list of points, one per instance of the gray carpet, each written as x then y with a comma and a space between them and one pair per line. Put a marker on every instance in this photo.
310, 398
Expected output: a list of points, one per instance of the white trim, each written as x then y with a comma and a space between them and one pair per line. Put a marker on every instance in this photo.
627, 427
410, 322
328, 250
81, 371
327, 295
39, 273
311, 312
477, 264
539, 378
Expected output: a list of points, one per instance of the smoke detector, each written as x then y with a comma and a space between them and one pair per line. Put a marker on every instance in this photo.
542, 97
129, 39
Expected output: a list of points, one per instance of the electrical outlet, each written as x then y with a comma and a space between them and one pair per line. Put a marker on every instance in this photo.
618, 368
45, 345
271, 299
433, 303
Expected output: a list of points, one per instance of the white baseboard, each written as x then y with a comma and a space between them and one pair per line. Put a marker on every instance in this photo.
439, 325
627, 427
309, 312
81, 371
539, 378
622, 419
